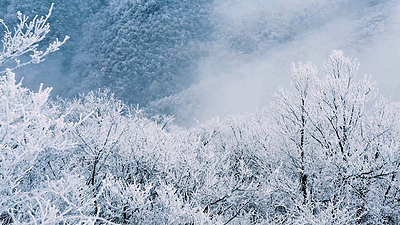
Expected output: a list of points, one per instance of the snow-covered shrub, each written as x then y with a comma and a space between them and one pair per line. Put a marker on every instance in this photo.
29, 127
229, 175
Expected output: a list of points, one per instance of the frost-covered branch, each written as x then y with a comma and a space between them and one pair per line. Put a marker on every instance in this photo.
25, 38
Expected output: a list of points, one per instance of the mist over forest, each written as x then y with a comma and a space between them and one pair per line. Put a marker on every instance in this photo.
201, 59
199, 112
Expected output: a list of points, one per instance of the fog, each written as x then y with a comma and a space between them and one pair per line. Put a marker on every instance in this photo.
256, 41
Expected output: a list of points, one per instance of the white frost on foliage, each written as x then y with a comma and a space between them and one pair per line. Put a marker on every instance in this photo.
25, 38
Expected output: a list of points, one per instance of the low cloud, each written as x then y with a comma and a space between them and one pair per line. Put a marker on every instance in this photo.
255, 42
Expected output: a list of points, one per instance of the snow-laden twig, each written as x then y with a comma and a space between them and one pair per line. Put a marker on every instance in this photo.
24, 39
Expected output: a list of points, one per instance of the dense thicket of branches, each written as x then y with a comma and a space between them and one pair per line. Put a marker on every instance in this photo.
324, 152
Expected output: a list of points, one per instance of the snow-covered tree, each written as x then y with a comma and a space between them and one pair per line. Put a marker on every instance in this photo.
329, 135
30, 128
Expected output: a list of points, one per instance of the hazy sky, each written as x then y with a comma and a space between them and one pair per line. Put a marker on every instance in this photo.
256, 41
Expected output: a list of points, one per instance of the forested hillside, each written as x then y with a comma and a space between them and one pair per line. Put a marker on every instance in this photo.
324, 151
184, 57
134, 48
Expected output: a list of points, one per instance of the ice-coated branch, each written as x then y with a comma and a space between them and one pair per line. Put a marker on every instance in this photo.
25, 38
